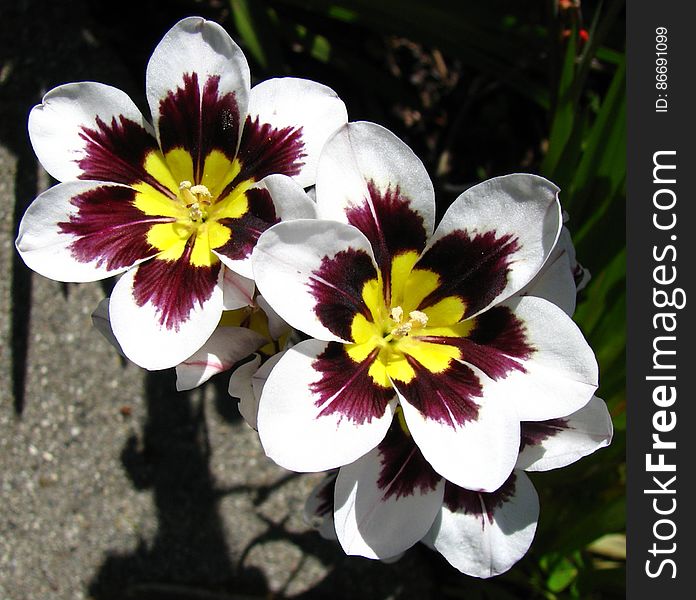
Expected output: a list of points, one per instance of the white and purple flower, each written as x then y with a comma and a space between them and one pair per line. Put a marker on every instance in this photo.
403, 316
391, 498
176, 206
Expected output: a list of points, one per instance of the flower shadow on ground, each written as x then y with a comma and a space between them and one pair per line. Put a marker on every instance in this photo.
190, 555
172, 461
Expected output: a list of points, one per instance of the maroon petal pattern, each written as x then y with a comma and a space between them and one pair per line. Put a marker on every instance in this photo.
475, 268
403, 467
247, 228
337, 287
446, 397
265, 150
533, 433
174, 287
498, 338
199, 122
109, 229
480, 504
355, 395
390, 224
116, 152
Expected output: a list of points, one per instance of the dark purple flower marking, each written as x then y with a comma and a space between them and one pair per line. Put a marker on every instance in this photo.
446, 397
473, 268
534, 433
199, 122
479, 504
174, 286
247, 228
403, 467
391, 225
109, 229
116, 153
337, 287
347, 384
265, 150
495, 345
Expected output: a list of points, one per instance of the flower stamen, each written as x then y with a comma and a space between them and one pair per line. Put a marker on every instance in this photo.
417, 320
197, 198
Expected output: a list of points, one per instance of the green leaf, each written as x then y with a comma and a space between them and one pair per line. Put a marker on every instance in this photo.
602, 169
564, 115
605, 516
256, 31
562, 575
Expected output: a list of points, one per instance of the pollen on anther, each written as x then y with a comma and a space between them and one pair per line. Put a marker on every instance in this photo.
200, 190
418, 318
397, 314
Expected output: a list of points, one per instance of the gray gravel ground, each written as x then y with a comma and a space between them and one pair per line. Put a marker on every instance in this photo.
114, 486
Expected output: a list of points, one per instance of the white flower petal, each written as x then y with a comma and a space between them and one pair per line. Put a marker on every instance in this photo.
58, 127
286, 261
145, 340
247, 384
100, 320
516, 220
290, 202
555, 283
241, 387
220, 352
480, 546
318, 509
200, 47
557, 443
556, 280
276, 325
291, 102
373, 523
293, 430
49, 244
289, 198
478, 454
561, 375
364, 152
238, 291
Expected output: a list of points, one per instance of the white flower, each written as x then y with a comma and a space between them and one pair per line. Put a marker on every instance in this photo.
391, 498
433, 322
239, 334
176, 206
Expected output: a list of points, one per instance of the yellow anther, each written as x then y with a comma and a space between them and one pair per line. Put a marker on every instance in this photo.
418, 318
397, 314
196, 213
196, 198
402, 329
201, 190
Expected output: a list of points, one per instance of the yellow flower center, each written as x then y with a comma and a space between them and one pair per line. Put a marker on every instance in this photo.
394, 337
197, 199
197, 208
254, 318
